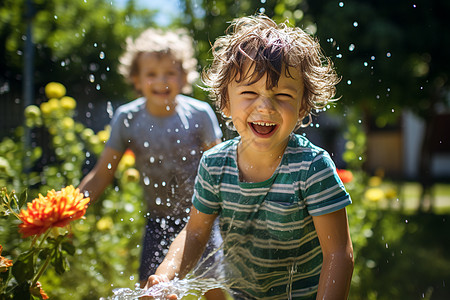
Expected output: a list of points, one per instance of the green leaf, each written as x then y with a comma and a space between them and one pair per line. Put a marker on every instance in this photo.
23, 198
68, 247
23, 268
22, 291
60, 263
45, 253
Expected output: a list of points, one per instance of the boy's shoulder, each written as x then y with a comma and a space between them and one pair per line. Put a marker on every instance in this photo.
192, 104
132, 106
220, 152
299, 144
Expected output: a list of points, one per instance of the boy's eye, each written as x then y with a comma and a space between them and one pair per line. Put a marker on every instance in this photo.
248, 93
284, 96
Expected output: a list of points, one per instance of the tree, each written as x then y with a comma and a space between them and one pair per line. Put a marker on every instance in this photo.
391, 55
77, 43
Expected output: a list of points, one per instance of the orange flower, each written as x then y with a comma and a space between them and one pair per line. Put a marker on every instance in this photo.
127, 161
57, 209
345, 175
37, 291
4, 262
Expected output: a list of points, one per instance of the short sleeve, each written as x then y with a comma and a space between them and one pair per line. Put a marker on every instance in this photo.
205, 198
116, 139
324, 193
211, 128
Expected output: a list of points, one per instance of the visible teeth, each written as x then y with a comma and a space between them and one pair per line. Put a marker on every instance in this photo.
264, 123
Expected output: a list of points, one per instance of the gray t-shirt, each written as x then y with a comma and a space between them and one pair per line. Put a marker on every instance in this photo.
167, 150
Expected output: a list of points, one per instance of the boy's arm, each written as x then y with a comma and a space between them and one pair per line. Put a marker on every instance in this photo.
334, 237
188, 246
102, 174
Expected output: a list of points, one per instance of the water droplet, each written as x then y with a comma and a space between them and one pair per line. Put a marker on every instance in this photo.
406, 221
178, 141
152, 159
365, 64
351, 47
388, 54
109, 109
193, 152
355, 24
146, 180
158, 201
372, 57
109, 166
262, 10
167, 107
146, 144
184, 158
97, 87
349, 82
102, 55
91, 78
155, 185
341, 4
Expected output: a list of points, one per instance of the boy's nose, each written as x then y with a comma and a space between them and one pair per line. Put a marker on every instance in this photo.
265, 105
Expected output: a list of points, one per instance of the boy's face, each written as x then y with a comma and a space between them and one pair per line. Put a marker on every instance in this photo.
160, 80
265, 118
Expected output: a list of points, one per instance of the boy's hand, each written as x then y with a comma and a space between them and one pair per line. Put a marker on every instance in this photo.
154, 280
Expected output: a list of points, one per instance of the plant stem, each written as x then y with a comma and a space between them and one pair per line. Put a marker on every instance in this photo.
41, 270
43, 239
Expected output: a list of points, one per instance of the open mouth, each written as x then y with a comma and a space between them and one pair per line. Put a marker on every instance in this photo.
263, 128
161, 92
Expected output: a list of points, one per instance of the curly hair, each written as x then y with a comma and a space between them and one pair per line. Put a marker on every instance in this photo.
259, 44
176, 42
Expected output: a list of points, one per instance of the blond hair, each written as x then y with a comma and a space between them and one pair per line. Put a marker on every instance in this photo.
259, 44
177, 43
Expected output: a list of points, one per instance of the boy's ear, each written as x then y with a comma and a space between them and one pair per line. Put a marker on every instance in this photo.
226, 111
136, 83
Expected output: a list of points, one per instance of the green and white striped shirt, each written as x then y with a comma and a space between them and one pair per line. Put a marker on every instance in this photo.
270, 242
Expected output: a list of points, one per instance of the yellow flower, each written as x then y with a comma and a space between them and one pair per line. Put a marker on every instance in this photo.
57, 209
55, 90
127, 161
4, 262
32, 112
67, 123
68, 103
375, 181
103, 135
131, 175
374, 194
105, 223
391, 193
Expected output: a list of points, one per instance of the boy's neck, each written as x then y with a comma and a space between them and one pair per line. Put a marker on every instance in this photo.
257, 166
158, 110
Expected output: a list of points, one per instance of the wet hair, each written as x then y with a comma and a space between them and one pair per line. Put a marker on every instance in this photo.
177, 43
261, 46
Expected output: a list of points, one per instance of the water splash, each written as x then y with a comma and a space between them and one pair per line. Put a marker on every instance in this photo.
181, 287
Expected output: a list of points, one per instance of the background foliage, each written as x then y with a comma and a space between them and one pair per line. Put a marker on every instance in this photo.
391, 56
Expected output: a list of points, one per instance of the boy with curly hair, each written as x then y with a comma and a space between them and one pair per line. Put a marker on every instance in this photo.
166, 131
280, 202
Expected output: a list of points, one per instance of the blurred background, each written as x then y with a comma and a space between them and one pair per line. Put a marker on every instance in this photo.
390, 129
